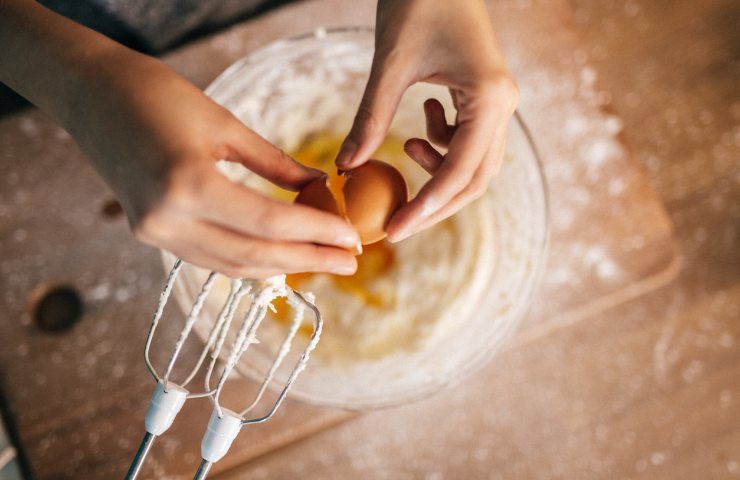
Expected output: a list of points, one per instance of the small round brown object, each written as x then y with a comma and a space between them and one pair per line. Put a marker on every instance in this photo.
55, 308
317, 195
367, 196
373, 192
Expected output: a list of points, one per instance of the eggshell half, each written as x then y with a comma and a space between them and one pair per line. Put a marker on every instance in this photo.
318, 195
373, 192
366, 196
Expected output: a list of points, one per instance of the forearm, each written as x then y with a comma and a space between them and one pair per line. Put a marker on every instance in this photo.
49, 59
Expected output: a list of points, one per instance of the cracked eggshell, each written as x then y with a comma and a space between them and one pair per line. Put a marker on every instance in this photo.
370, 195
317, 194
373, 192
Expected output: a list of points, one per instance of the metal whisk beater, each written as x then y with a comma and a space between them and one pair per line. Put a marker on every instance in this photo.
169, 397
225, 424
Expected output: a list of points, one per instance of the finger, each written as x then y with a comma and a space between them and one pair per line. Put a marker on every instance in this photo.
248, 254
265, 159
232, 270
383, 92
196, 255
456, 104
248, 212
202, 248
470, 143
423, 153
487, 170
453, 94
437, 129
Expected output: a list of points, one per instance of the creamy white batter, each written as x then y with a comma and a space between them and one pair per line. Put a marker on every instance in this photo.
454, 294
434, 282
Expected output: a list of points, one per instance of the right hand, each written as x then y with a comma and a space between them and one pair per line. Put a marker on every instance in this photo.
155, 139
451, 44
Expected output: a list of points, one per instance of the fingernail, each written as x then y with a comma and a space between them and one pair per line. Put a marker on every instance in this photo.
346, 152
344, 270
350, 241
400, 235
358, 248
430, 206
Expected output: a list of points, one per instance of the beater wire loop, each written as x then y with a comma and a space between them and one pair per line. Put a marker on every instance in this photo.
224, 425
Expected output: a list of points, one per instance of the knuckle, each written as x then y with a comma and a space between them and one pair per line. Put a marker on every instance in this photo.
223, 121
248, 256
366, 122
262, 220
461, 180
481, 180
478, 187
310, 257
148, 226
230, 121
436, 133
283, 160
236, 269
461, 183
320, 257
324, 259
284, 164
184, 186
268, 220
501, 89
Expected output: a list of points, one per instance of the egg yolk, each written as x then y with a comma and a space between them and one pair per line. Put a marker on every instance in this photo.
336, 187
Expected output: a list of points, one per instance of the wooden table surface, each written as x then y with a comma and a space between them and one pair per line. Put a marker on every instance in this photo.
647, 388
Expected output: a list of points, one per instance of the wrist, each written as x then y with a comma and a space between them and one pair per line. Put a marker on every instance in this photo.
97, 79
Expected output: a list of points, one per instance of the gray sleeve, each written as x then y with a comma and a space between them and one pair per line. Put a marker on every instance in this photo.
155, 25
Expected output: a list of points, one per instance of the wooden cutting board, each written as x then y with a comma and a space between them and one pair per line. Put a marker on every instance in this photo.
77, 398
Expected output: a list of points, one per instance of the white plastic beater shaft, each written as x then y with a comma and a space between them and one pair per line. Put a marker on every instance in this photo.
220, 434
164, 407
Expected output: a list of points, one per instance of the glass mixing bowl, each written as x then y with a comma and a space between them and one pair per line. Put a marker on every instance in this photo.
312, 83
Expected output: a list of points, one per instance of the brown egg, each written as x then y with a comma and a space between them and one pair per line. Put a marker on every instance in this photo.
317, 194
367, 196
373, 192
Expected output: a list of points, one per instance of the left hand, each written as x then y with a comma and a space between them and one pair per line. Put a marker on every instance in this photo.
452, 44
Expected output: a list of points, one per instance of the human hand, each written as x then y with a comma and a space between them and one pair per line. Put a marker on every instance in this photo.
155, 138
452, 44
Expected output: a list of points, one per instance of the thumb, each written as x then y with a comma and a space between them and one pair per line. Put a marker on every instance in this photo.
383, 92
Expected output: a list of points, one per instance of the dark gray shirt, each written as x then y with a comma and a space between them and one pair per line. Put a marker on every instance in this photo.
155, 25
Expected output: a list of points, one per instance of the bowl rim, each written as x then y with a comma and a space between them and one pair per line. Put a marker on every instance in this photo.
477, 362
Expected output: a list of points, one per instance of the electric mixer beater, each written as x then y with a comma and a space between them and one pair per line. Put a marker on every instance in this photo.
224, 425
